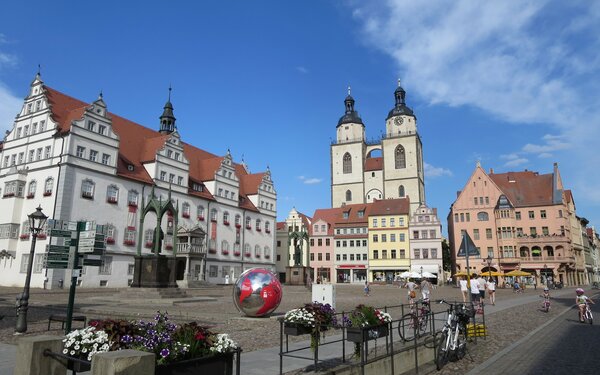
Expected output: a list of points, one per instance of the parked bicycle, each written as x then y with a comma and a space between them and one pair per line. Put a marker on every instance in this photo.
452, 344
416, 322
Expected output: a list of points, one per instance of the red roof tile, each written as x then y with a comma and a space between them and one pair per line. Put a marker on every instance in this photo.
374, 164
399, 206
525, 188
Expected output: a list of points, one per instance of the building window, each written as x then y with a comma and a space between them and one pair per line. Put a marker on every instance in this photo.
112, 194
87, 189
31, 190
425, 253
24, 263
48, 186
132, 198
213, 271
102, 129
106, 266
91, 126
475, 234
468, 216
105, 159
47, 152
213, 215
433, 253
375, 238
488, 233
129, 237
384, 238
401, 192
383, 254
375, 254
402, 254
475, 200
402, 237
416, 234
531, 215
185, 210
348, 195
226, 218
482, 216
80, 152
201, 213
347, 163
543, 214
545, 231
417, 253
400, 157
532, 231
249, 223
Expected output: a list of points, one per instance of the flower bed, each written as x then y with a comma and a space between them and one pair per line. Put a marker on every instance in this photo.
179, 349
313, 318
366, 323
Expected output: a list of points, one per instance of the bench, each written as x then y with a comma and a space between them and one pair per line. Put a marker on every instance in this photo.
63, 319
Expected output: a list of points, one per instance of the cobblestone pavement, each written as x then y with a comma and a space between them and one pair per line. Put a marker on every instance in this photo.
507, 322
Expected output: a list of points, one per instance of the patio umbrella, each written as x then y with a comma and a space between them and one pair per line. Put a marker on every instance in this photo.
410, 274
429, 275
493, 273
517, 273
461, 273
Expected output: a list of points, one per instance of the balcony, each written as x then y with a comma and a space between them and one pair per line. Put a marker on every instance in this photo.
186, 248
542, 239
541, 258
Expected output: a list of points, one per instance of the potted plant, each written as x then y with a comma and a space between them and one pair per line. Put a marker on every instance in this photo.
313, 318
366, 323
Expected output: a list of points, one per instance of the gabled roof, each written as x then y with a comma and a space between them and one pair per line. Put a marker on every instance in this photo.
525, 188
399, 206
139, 144
374, 164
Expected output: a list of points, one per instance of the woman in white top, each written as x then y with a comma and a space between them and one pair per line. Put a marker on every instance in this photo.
463, 288
474, 289
491, 287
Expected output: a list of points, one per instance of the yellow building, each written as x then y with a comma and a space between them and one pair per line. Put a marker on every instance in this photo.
389, 242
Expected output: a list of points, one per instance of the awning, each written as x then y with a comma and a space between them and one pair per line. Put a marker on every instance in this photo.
351, 266
433, 268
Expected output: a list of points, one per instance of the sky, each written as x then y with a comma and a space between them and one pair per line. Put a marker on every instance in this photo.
511, 84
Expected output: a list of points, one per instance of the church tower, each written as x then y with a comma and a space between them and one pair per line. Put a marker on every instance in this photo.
347, 158
167, 119
358, 176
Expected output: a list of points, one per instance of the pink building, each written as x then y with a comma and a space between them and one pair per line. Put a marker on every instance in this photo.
522, 219
321, 245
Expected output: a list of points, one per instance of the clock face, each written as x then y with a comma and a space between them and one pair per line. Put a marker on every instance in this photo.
398, 120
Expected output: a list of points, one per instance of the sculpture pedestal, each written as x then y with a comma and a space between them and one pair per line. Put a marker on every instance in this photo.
153, 271
296, 275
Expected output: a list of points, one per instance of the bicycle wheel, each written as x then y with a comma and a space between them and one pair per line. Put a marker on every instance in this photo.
423, 325
441, 355
406, 326
590, 317
461, 346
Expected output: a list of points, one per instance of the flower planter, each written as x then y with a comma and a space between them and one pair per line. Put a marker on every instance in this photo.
221, 364
295, 329
77, 366
355, 334
236, 253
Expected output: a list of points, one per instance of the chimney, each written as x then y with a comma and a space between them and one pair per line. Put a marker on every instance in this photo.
491, 170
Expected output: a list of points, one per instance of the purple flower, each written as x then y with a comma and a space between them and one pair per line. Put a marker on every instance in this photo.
165, 352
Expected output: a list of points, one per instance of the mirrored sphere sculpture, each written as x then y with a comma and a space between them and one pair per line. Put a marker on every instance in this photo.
257, 292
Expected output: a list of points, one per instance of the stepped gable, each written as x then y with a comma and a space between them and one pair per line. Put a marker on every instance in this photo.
374, 164
139, 144
525, 188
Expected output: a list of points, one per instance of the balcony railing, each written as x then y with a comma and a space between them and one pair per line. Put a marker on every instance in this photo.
541, 258
186, 248
543, 238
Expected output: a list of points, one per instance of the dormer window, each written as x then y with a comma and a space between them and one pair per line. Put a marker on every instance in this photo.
91, 126
177, 156
38, 105
169, 154
102, 129
29, 106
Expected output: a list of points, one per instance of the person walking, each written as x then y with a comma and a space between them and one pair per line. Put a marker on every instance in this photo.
464, 288
482, 287
491, 287
412, 294
474, 289
425, 288
367, 289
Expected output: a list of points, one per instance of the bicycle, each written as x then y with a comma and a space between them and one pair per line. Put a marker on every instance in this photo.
546, 305
587, 314
453, 341
416, 322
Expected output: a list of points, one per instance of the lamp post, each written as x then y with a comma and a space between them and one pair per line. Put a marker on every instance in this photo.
545, 274
421, 272
489, 260
36, 224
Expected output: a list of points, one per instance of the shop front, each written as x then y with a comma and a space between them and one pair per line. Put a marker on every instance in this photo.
351, 273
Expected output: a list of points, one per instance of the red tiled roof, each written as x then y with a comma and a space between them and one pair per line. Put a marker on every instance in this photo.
525, 188
281, 225
399, 206
374, 164
139, 144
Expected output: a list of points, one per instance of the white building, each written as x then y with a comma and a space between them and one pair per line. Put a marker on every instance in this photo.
81, 162
362, 171
426, 242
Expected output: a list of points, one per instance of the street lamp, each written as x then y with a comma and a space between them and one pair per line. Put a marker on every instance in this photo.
545, 274
488, 260
36, 224
421, 272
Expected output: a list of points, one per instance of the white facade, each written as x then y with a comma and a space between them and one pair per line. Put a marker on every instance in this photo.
426, 242
79, 162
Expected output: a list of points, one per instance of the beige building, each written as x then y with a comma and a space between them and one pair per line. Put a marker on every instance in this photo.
392, 167
525, 220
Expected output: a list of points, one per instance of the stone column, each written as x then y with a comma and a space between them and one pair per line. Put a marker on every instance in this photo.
30, 359
123, 362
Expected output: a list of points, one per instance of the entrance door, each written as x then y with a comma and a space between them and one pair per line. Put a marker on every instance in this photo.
198, 272
180, 268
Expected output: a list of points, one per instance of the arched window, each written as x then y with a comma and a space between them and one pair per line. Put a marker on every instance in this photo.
48, 186
401, 192
258, 227
347, 163
268, 226
201, 213
348, 195
132, 198
247, 250
257, 251
226, 218
32, 188
148, 238
267, 252
213, 215
224, 247
87, 189
238, 221
248, 222
185, 210
482, 216
112, 194
400, 157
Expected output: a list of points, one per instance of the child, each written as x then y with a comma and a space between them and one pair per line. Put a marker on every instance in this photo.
582, 300
491, 287
546, 296
367, 290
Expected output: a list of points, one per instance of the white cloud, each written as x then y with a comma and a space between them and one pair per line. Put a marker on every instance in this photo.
524, 61
510, 156
545, 155
516, 162
310, 180
302, 69
432, 172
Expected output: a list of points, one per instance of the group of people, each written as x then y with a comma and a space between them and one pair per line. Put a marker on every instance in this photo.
425, 286
478, 287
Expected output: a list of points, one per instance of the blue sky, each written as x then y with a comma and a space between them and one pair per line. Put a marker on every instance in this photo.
513, 84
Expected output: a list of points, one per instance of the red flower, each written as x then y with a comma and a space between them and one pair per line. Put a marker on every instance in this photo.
200, 336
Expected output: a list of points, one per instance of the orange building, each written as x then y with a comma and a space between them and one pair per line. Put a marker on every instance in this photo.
522, 219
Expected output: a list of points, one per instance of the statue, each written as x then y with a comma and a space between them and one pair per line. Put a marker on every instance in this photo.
298, 253
158, 241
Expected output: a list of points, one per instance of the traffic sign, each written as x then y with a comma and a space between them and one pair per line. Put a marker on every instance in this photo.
100, 236
56, 264
86, 242
86, 249
57, 257
92, 262
58, 249
60, 233
87, 234
99, 244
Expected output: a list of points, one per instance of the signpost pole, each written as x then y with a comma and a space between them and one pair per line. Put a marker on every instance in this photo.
465, 246
73, 281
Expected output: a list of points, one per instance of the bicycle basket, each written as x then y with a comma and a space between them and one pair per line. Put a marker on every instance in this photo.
463, 317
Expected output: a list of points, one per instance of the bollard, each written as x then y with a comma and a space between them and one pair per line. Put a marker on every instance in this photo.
30, 359
123, 362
